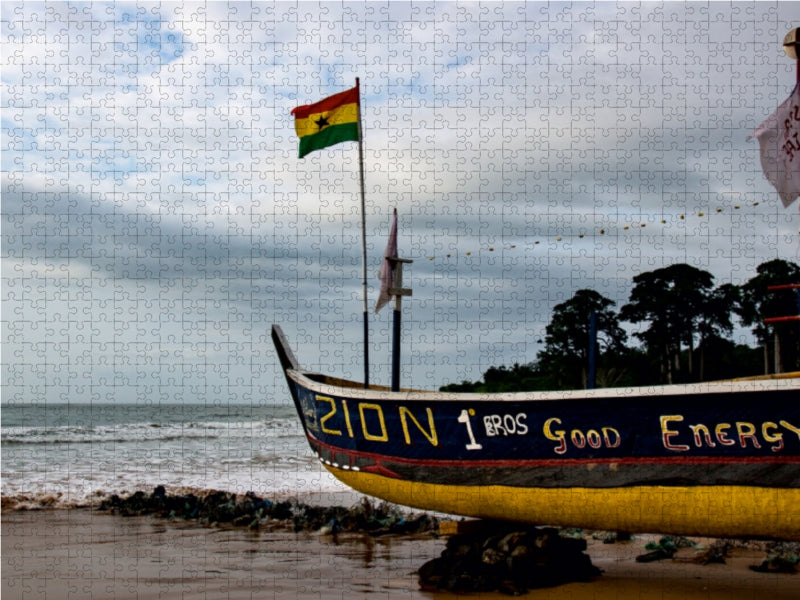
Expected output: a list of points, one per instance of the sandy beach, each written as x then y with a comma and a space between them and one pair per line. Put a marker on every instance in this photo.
81, 553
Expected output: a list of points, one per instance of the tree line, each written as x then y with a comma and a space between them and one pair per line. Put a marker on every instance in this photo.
683, 324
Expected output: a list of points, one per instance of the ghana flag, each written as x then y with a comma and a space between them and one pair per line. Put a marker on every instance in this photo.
327, 122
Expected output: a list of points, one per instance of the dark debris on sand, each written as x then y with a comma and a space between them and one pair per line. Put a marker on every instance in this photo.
512, 559
254, 512
666, 547
782, 557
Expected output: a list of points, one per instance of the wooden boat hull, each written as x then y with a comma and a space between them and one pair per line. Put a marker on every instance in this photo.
715, 511
719, 459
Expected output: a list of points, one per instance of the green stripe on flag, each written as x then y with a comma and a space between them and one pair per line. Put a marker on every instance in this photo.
328, 137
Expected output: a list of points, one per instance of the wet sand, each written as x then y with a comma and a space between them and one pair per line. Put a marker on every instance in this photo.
78, 553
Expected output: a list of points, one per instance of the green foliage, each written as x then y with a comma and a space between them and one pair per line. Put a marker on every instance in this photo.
566, 352
678, 302
518, 378
684, 323
758, 303
722, 359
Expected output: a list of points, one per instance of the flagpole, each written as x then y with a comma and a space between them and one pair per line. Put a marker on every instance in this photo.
791, 45
363, 239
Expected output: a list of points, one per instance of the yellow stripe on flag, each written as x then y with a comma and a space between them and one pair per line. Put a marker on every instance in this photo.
347, 113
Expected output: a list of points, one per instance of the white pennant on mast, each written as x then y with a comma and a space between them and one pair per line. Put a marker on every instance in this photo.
779, 139
386, 274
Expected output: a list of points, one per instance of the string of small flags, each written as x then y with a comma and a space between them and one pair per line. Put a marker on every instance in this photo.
602, 231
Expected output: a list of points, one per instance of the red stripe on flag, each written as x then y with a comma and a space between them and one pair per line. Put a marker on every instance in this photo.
347, 97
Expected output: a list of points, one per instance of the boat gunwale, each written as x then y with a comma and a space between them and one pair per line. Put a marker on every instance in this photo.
358, 392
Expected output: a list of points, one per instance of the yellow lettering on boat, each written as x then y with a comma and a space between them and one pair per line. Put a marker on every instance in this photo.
383, 437
772, 438
578, 439
701, 433
747, 431
666, 433
430, 436
593, 439
748, 435
347, 419
556, 436
791, 427
328, 415
722, 437
607, 431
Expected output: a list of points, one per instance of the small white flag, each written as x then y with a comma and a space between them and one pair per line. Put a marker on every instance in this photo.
386, 274
779, 138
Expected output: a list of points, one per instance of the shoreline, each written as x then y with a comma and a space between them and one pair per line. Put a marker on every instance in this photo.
61, 501
85, 552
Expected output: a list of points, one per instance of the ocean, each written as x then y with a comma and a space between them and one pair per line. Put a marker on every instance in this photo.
78, 454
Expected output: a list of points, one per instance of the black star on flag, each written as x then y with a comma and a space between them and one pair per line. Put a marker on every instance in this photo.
322, 122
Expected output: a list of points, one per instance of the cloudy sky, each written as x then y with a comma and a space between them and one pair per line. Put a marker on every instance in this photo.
157, 221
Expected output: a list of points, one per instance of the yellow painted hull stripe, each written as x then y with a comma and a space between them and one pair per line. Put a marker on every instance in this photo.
716, 511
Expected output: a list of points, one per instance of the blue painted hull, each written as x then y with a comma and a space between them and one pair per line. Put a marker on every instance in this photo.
586, 454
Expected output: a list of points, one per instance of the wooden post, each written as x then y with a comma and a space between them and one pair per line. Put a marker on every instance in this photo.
398, 291
776, 337
592, 377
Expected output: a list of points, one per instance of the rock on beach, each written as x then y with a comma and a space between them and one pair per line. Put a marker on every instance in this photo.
250, 510
510, 559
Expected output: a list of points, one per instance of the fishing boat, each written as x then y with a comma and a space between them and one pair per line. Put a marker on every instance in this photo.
711, 459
